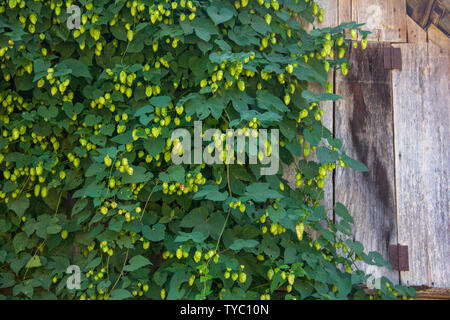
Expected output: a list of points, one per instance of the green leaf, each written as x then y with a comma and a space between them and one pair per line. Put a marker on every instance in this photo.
266, 100
219, 15
342, 211
154, 146
155, 233
241, 244
313, 71
34, 262
160, 101
174, 174
270, 247
79, 68
210, 192
356, 246
260, 192
19, 205
195, 236
354, 164
326, 155
140, 175
137, 262
120, 294
20, 242
196, 217
311, 97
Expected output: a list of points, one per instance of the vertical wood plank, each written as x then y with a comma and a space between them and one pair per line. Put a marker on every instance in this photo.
330, 18
437, 161
344, 11
364, 121
408, 100
422, 119
415, 33
385, 18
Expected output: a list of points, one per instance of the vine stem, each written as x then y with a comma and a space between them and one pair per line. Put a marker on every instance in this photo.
148, 199
224, 224
229, 211
121, 271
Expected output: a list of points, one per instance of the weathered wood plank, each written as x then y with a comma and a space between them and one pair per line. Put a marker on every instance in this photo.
440, 16
330, 18
409, 144
420, 11
422, 118
364, 121
385, 18
433, 294
345, 11
415, 33
438, 38
437, 160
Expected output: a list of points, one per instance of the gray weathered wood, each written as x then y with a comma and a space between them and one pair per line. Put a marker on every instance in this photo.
437, 160
330, 18
421, 113
385, 18
345, 11
409, 143
364, 121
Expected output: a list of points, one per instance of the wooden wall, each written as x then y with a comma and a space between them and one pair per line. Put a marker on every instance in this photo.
397, 123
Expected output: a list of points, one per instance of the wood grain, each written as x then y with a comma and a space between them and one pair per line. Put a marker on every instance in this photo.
437, 161
385, 18
420, 11
421, 113
331, 13
364, 121
345, 11
415, 32
438, 38
433, 294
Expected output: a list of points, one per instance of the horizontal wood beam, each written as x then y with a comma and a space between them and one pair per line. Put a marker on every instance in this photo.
432, 294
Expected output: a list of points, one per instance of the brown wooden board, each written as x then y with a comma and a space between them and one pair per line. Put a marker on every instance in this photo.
422, 120
426, 12
364, 121
420, 10
415, 33
438, 38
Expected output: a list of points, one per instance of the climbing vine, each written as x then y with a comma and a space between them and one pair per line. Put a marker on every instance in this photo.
86, 119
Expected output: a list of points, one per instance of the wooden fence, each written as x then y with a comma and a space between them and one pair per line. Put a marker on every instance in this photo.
396, 121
